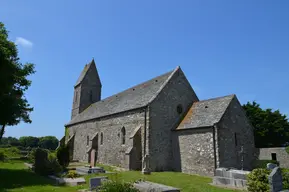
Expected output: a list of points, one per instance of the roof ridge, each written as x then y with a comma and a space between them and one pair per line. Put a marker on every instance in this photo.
137, 85
216, 98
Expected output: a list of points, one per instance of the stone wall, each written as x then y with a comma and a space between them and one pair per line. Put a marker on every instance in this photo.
234, 131
112, 151
194, 150
76, 101
164, 117
281, 154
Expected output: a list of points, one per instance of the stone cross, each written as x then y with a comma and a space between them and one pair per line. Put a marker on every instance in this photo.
271, 166
145, 163
275, 180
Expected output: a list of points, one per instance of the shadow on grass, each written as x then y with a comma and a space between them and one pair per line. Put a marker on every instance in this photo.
18, 178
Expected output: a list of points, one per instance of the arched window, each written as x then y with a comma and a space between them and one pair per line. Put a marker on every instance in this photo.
87, 140
101, 138
123, 135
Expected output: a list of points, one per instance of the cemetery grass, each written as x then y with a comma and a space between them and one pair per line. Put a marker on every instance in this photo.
15, 176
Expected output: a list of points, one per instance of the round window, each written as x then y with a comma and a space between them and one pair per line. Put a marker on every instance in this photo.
179, 109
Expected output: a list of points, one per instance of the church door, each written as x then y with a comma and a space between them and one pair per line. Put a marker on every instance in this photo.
94, 151
137, 152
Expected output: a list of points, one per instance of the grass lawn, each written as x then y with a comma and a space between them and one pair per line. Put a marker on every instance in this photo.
14, 176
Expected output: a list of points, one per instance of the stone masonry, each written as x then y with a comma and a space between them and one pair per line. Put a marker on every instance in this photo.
162, 118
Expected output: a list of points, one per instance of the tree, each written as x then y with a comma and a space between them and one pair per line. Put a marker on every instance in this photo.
62, 154
29, 141
271, 128
48, 142
14, 106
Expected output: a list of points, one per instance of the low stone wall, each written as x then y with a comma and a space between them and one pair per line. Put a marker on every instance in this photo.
281, 154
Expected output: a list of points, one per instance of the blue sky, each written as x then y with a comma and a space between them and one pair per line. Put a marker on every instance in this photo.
223, 47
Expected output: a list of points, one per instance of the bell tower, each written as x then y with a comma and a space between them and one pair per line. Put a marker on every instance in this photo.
87, 89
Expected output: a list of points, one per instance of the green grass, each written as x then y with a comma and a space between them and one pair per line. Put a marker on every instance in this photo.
14, 176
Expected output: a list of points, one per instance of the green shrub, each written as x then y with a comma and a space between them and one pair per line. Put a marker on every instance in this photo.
257, 180
63, 155
285, 178
53, 166
263, 163
2, 156
72, 174
10, 152
45, 163
115, 186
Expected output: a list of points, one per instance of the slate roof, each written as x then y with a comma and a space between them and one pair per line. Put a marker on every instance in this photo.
132, 98
84, 71
82, 74
205, 113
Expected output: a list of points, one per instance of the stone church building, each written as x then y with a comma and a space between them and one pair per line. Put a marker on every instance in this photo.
161, 118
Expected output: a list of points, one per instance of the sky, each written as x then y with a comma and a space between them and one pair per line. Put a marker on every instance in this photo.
224, 47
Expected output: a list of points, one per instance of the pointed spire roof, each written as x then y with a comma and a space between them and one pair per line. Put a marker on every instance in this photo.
84, 72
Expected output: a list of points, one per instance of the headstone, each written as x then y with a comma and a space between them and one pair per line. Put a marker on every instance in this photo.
275, 180
271, 166
92, 158
94, 183
145, 163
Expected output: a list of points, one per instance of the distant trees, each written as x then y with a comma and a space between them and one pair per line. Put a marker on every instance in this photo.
47, 142
14, 107
271, 128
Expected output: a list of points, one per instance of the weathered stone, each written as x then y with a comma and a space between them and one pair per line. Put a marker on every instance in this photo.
275, 180
145, 186
230, 177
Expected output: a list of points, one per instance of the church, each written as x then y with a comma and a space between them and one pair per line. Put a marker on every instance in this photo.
161, 119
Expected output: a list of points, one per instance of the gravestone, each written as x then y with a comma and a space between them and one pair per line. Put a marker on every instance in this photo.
275, 180
95, 182
271, 166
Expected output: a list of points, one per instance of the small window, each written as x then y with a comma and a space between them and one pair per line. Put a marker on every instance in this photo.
123, 135
179, 109
236, 141
87, 140
90, 95
101, 138
274, 156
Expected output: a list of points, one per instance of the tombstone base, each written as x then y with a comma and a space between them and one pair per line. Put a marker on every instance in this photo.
146, 172
88, 170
